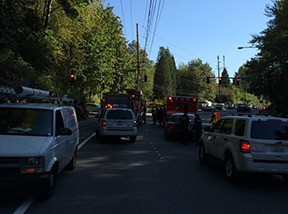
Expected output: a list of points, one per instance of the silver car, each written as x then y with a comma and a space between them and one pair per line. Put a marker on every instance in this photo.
249, 143
117, 122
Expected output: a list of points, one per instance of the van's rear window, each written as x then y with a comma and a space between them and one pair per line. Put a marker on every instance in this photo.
273, 130
20, 121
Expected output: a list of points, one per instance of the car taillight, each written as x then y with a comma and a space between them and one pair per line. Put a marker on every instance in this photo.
103, 123
245, 146
109, 105
135, 124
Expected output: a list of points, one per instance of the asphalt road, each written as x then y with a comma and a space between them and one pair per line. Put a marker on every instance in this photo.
153, 175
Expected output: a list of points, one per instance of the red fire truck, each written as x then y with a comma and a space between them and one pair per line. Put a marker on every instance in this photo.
132, 99
179, 103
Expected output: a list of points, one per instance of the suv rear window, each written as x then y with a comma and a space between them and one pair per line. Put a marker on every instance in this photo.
273, 130
120, 114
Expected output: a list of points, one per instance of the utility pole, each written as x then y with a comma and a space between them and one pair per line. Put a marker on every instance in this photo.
138, 59
218, 72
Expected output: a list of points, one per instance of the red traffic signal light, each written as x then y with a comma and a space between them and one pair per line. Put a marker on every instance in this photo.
237, 81
219, 80
208, 78
72, 76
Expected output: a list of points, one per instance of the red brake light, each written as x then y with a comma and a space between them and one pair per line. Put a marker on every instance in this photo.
109, 105
103, 123
245, 146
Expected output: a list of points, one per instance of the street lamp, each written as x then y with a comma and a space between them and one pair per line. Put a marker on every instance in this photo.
247, 47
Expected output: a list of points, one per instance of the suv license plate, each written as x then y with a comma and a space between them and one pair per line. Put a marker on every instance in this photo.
278, 148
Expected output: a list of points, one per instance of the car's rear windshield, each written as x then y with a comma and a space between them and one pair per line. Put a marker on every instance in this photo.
270, 129
120, 114
20, 121
176, 118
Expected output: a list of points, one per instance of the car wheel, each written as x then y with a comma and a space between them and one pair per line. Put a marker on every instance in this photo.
202, 153
231, 172
49, 184
285, 177
132, 139
72, 164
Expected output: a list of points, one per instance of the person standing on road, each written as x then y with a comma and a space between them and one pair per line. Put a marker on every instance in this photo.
154, 115
214, 117
197, 127
184, 124
144, 114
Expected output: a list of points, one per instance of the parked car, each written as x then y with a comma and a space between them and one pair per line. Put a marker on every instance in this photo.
208, 108
38, 141
115, 123
173, 128
231, 106
247, 144
219, 106
93, 108
243, 108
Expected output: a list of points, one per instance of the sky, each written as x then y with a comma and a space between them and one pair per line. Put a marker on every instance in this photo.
195, 29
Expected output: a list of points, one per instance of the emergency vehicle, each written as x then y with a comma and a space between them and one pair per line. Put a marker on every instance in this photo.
132, 99
179, 103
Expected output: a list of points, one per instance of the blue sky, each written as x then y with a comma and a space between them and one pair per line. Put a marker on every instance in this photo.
193, 29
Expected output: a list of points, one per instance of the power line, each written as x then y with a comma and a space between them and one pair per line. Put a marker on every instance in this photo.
123, 18
131, 19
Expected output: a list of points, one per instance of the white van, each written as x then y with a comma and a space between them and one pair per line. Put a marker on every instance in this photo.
37, 141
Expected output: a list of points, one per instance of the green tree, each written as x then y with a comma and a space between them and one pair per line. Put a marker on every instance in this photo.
165, 75
191, 80
269, 68
225, 78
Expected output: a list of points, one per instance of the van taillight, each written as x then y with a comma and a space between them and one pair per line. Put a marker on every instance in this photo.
245, 146
103, 123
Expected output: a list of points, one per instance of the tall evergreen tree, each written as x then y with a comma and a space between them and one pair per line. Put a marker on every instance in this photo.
225, 78
165, 75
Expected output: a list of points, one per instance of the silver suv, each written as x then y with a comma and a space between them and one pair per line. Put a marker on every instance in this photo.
37, 141
116, 122
249, 143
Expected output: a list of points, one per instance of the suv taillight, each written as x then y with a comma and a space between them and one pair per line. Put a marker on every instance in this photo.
245, 146
103, 123
135, 123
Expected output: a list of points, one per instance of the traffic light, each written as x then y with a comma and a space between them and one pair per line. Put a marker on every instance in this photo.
71, 77
237, 81
145, 78
208, 78
219, 80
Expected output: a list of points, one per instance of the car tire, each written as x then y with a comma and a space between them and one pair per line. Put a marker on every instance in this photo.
231, 172
72, 164
202, 153
132, 139
49, 184
285, 177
